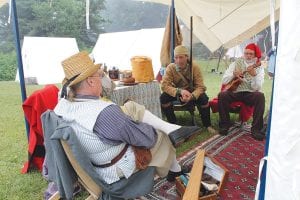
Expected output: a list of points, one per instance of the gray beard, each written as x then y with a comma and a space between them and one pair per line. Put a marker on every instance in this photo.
250, 62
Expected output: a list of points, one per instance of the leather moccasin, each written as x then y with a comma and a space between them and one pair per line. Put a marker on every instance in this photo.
182, 134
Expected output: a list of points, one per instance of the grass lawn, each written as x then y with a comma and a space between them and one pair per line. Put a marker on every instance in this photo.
13, 152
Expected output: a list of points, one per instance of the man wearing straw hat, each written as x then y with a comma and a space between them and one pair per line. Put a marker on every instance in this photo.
176, 85
107, 134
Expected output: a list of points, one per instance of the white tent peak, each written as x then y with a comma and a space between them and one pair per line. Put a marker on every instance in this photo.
42, 58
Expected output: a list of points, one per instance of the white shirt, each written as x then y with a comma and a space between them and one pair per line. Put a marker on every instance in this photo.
256, 81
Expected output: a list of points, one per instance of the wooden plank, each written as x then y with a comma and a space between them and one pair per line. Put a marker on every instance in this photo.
55, 196
193, 187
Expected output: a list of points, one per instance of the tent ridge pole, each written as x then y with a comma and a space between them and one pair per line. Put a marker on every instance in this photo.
19, 58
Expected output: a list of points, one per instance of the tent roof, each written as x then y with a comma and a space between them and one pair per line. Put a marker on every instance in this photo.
116, 49
42, 58
224, 22
2, 2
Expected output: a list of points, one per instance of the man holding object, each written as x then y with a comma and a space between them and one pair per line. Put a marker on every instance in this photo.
243, 80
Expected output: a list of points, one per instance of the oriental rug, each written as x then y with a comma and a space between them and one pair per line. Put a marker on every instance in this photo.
237, 151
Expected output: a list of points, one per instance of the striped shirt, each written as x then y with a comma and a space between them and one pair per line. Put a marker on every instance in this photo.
102, 130
114, 127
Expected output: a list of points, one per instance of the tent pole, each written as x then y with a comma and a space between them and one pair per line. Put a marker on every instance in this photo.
219, 60
261, 195
172, 28
19, 57
264, 169
191, 54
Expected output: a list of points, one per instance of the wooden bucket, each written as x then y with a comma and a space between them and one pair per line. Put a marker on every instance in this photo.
142, 69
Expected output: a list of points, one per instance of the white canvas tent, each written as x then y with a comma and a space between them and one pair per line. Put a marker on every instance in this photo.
283, 168
234, 52
226, 22
238, 50
42, 58
116, 49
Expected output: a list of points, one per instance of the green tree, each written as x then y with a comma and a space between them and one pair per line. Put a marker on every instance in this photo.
8, 66
62, 18
6, 36
66, 18
59, 18
125, 15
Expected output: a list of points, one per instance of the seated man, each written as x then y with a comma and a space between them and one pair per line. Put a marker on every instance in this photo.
176, 83
107, 135
247, 78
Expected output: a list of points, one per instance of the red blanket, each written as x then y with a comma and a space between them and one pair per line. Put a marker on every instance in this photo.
245, 111
34, 106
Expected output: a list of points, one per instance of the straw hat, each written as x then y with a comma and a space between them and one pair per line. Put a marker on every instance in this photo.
78, 67
181, 50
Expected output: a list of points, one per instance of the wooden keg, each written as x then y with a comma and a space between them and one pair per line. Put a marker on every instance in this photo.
142, 69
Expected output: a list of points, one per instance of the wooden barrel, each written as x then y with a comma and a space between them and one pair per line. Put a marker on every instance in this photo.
142, 69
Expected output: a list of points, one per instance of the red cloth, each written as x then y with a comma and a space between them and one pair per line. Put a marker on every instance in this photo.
256, 50
158, 77
34, 106
245, 111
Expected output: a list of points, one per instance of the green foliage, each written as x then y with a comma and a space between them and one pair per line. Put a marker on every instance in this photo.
6, 36
8, 66
61, 18
135, 15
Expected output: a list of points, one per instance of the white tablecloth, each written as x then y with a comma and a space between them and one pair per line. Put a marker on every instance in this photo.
146, 94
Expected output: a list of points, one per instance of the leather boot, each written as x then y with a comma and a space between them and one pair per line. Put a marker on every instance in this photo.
205, 116
182, 134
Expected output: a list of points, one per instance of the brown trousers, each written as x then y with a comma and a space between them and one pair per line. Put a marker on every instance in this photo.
256, 99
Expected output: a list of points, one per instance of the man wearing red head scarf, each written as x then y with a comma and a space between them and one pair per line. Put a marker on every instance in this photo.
243, 80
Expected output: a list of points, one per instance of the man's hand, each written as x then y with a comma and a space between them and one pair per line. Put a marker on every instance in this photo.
238, 74
186, 96
251, 69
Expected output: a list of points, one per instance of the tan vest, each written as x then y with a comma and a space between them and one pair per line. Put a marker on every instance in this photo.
245, 85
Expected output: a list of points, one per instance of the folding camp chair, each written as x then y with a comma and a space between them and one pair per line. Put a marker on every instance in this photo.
63, 167
85, 180
185, 107
245, 112
68, 163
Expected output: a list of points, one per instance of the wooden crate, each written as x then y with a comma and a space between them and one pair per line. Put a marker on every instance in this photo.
191, 192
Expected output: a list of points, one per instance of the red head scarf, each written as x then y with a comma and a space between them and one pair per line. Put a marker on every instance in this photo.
256, 50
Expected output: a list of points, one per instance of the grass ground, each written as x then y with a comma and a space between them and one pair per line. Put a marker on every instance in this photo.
13, 151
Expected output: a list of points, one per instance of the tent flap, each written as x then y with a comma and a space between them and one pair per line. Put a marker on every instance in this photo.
224, 22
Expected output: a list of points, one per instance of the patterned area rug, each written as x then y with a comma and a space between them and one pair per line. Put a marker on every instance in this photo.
237, 151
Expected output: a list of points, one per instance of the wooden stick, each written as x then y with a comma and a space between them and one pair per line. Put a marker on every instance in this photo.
191, 55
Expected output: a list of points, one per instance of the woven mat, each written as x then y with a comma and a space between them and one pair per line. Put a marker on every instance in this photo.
237, 151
